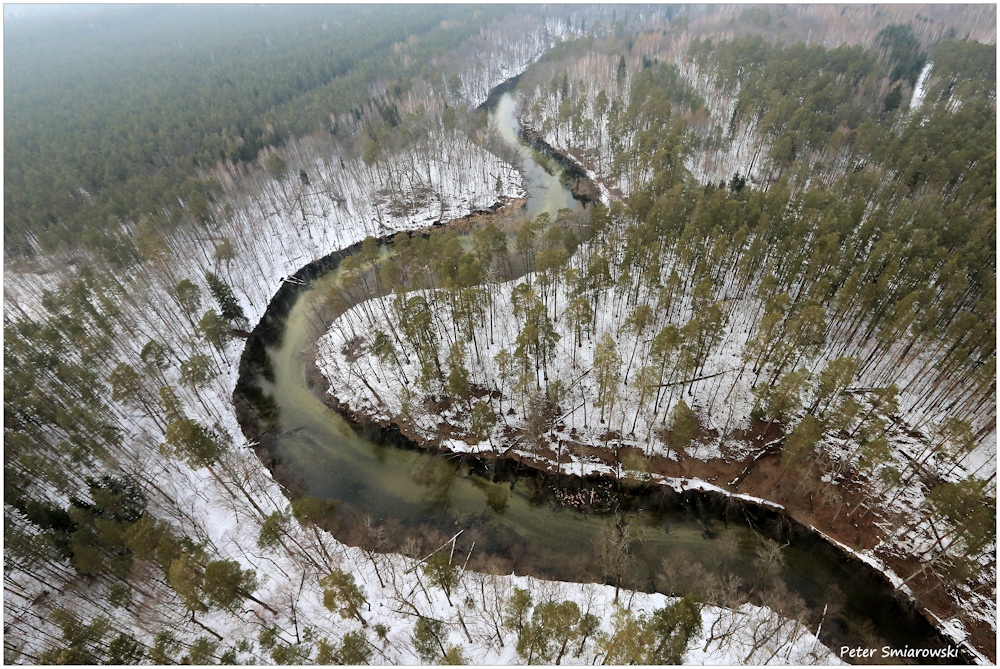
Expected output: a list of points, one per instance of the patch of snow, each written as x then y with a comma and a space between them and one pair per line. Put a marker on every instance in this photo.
920, 89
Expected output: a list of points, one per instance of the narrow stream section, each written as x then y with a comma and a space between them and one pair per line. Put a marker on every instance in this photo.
522, 520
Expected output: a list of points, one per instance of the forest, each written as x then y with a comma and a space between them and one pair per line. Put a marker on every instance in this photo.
113, 128
784, 294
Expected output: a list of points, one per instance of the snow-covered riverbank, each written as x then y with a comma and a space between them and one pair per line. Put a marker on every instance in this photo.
273, 228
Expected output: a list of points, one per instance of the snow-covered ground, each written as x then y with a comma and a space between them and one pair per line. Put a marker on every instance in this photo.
723, 401
571, 365
723, 398
723, 395
273, 228
582, 128
229, 521
920, 89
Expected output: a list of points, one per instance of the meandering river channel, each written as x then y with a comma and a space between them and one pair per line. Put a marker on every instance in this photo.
520, 518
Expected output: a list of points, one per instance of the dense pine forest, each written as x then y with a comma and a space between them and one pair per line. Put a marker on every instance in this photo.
111, 128
782, 293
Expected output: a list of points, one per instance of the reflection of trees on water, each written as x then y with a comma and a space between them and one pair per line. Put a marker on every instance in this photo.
437, 476
701, 573
497, 494
497, 497
251, 398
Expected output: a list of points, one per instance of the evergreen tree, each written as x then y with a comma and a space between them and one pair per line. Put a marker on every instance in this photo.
229, 306
342, 595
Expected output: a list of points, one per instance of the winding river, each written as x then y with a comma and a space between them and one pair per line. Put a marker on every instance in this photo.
514, 515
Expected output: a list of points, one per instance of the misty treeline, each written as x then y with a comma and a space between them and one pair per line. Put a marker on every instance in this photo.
109, 117
114, 119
